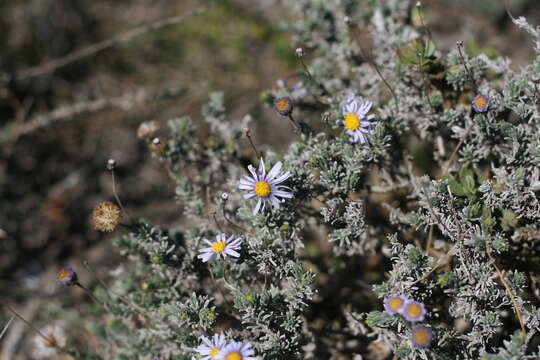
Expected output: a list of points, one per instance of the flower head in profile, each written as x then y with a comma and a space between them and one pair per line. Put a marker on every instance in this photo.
47, 346
393, 304
421, 336
283, 106
66, 276
106, 216
222, 247
356, 120
266, 188
413, 311
481, 103
210, 348
237, 351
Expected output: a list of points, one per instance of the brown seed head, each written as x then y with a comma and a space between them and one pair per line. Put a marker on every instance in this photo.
106, 216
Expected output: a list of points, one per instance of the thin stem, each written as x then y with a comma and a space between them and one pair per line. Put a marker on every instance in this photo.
229, 220
116, 194
37, 331
216, 221
247, 132
6, 327
469, 73
89, 293
426, 85
454, 153
325, 92
509, 291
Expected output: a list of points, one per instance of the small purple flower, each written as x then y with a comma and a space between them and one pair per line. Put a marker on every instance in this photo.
237, 351
283, 106
66, 276
266, 187
481, 103
393, 304
421, 336
223, 247
413, 311
210, 349
356, 121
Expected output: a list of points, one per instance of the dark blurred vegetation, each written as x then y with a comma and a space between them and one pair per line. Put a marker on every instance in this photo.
52, 176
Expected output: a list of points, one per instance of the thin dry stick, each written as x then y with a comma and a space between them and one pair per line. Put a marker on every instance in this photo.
509, 291
430, 238
116, 194
230, 221
454, 153
52, 65
124, 102
247, 132
29, 324
6, 327
89, 293
469, 73
325, 92
374, 65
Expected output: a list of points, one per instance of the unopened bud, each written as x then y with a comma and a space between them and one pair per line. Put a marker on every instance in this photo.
111, 164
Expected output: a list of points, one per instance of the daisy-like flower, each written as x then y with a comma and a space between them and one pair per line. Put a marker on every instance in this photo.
46, 347
210, 349
266, 187
356, 121
413, 311
237, 351
66, 276
481, 103
223, 247
393, 304
283, 106
421, 337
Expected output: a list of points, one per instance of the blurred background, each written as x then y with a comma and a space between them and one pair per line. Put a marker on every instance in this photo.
65, 111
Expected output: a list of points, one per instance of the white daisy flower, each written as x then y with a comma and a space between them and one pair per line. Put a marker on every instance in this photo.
266, 187
45, 348
237, 351
210, 349
356, 121
223, 247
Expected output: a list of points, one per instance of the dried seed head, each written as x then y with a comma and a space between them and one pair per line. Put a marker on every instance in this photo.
147, 129
224, 196
106, 216
299, 52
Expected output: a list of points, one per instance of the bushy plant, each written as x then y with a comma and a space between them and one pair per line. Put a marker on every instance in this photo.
402, 219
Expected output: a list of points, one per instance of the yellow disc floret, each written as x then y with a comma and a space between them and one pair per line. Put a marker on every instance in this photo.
395, 303
352, 122
214, 352
414, 310
481, 102
262, 189
219, 246
234, 356
421, 336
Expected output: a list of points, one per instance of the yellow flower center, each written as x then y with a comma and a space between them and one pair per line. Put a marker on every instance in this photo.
234, 356
352, 122
283, 105
395, 303
421, 336
218, 246
214, 352
63, 275
414, 310
480, 102
262, 189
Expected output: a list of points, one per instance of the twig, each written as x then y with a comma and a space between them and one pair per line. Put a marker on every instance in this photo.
469, 73
52, 65
247, 132
454, 153
6, 327
509, 291
325, 92
125, 102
